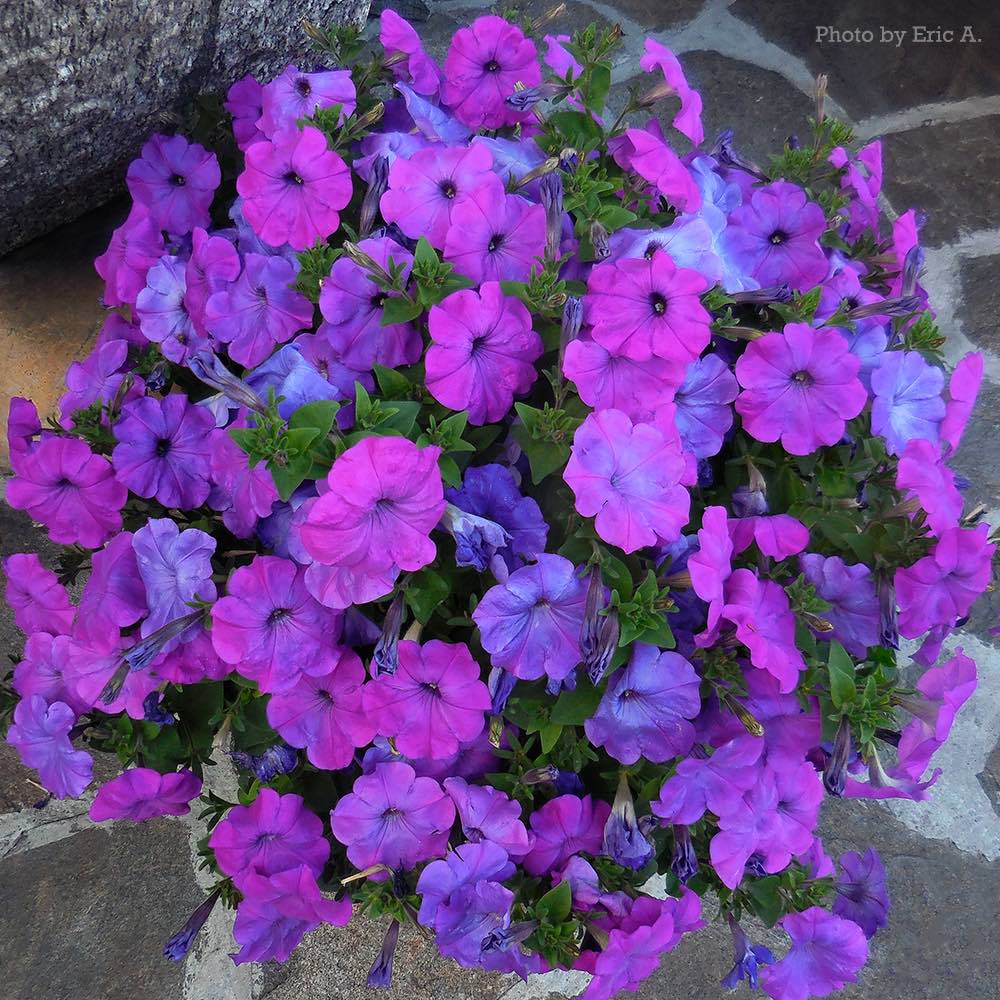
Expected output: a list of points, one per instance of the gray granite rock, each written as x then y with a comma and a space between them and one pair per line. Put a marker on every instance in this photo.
82, 84
979, 305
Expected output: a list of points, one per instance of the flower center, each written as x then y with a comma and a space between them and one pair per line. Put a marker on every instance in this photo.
261, 292
492, 66
478, 343
431, 688
63, 482
496, 241
448, 189
264, 838
627, 695
803, 378
293, 178
163, 447
778, 237
659, 303
378, 300
302, 87
278, 615
177, 180
392, 812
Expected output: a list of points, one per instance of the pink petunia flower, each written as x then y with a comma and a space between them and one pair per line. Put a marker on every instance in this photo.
39, 601
114, 595
688, 119
482, 352
142, 793
293, 188
244, 493
40, 734
136, 245
963, 388
800, 385
213, 264
269, 626
922, 470
645, 152
711, 566
484, 64
405, 51
245, 102
647, 308
565, 826
72, 491
324, 714
628, 477
778, 535
42, 671
433, 703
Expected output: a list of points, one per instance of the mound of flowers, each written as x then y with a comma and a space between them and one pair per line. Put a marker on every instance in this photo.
526, 499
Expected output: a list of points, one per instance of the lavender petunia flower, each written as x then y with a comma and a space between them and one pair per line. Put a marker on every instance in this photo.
39, 601
477, 540
40, 734
862, 894
563, 827
163, 314
142, 793
703, 404
487, 814
295, 94
908, 402
850, 590
97, 378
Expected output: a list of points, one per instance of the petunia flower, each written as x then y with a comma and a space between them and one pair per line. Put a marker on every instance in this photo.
425, 188
565, 826
487, 815
711, 566
293, 188
907, 400
688, 118
703, 405
960, 397
97, 378
193, 661
494, 236
648, 308
477, 540
530, 625
41, 671
175, 180
162, 450
484, 64
295, 94
405, 54
850, 591
645, 710
23, 426
747, 959
40, 734
114, 595
244, 493
39, 601
774, 235
245, 102
136, 245
645, 152
270, 628
393, 818
433, 703
628, 477
163, 315
70, 490
922, 471
778, 535
862, 894
799, 385
141, 793
483, 352
827, 953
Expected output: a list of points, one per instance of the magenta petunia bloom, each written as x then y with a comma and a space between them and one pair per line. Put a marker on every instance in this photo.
175, 180
400, 39
136, 245
628, 477
850, 590
273, 834
764, 624
778, 535
293, 188
114, 595
483, 66
39, 601
162, 450
384, 498
244, 493
908, 402
433, 703
40, 734
530, 625
862, 893
711, 566
193, 661
646, 152
646, 708
142, 793
42, 671
269, 626
646, 308
163, 315
922, 470
277, 911
72, 491
426, 187
294, 94
688, 119
827, 953
213, 264
611, 380
97, 378
715, 783
960, 398
23, 426
703, 403
482, 352
176, 569
941, 588
773, 236
245, 102
324, 714
488, 815
495, 236
352, 303
800, 385
565, 826
393, 818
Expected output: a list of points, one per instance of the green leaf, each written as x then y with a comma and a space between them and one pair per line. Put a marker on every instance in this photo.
544, 457
554, 906
451, 474
403, 419
397, 309
841, 670
614, 217
425, 591
362, 404
319, 416
550, 736
766, 899
394, 384
245, 437
425, 255
573, 708
578, 127
598, 85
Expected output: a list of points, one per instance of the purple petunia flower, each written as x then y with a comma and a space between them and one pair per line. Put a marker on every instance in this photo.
646, 152
477, 540
266, 766
565, 826
245, 493
433, 703
484, 64
213, 264
774, 237
488, 815
747, 959
648, 308
142, 793
495, 236
162, 450
324, 714
97, 378
850, 590
293, 187
482, 352
273, 834
72, 491
703, 405
799, 385
400, 39
175, 180
826, 954
393, 818
136, 245
40, 734
963, 388
688, 118
628, 477
114, 595
294, 94
531, 624
923, 471
245, 102
862, 894
269, 626
645, 710
425, 188
163, 315
41, 671
907, 399
39, 601
23, 426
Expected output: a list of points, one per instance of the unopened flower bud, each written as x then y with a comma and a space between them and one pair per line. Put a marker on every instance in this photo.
378, 181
